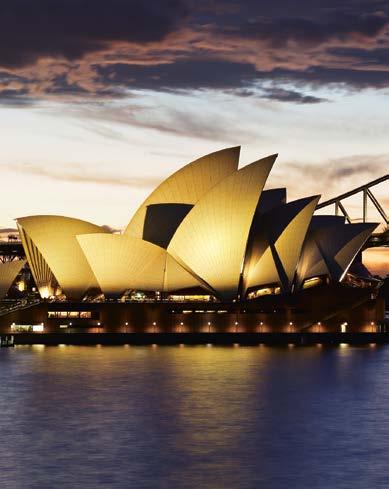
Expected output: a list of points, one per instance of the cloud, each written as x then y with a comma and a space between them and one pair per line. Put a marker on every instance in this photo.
337, 24
71, 28
8, 230
340, 174
16, 98
283, 95
187, 74
71, 50
77, 173
322, 76
192, 118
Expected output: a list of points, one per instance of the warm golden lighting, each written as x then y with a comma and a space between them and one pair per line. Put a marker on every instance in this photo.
211, 240
54, 255
312, 282
188, 184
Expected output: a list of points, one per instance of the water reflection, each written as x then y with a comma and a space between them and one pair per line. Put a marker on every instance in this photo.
194, 417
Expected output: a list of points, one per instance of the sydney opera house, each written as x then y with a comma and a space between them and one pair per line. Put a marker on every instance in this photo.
209, 250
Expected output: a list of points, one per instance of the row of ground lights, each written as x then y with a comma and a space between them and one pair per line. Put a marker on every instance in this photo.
343, 326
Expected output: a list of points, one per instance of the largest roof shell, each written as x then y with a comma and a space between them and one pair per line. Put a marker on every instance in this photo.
188, 185
211, 240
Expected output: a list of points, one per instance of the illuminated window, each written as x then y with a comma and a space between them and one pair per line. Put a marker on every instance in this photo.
27, 328
264, 291
69, 314
189, 298
85, 314
312, 282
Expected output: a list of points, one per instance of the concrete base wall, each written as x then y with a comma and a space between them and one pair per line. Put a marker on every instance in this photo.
319, 310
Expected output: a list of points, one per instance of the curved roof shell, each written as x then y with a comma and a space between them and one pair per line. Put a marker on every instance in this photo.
123, 262
331, 247
188, 185
277, 244
55, 256
211, 240
8, 272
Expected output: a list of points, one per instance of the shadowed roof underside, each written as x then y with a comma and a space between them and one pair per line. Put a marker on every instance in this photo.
188, 185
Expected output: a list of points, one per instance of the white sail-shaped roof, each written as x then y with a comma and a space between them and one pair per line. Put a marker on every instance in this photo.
285, 237
211, 240
188, 185
330, 249
54, 254
346, 255
122, 262
8, 272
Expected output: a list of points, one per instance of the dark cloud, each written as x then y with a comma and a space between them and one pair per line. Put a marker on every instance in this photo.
252, 47
16, 98
322, 75
189, 74
70, 28
362, 57
304, 30
283, 95
243, 77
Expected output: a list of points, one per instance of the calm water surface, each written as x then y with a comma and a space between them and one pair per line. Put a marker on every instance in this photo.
194, 417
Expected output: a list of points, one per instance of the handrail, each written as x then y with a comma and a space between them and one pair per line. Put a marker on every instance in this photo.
352, 192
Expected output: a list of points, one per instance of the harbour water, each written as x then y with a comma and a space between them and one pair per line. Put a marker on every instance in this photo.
194, 417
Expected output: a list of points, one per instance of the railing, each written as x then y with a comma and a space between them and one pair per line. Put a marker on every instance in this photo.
6, 308
377, 239
366, 193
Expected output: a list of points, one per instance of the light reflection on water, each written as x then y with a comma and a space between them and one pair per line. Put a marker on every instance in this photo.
194, 417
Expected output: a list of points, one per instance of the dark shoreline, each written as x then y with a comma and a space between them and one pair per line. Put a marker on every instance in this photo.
227, 339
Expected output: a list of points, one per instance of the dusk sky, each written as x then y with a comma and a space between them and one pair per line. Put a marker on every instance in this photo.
101, 100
